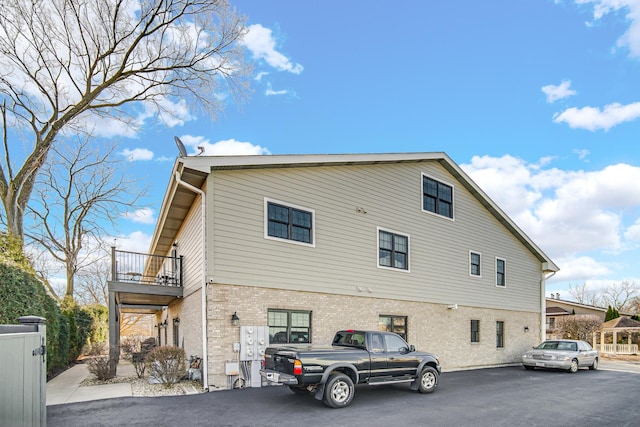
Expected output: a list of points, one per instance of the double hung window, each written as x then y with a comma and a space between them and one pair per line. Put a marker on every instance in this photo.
437, 197
501, 272
474, 264
393, 250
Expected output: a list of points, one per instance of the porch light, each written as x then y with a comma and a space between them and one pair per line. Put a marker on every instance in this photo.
235, 320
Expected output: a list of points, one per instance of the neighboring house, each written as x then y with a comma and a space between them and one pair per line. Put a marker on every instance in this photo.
300, 246
557, 308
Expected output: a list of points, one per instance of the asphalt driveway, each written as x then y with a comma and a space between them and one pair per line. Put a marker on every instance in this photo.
508, 396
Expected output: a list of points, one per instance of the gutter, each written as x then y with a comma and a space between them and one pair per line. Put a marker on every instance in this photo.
543, 303
205, 357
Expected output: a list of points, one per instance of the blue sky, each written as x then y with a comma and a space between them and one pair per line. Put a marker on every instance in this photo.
538, 101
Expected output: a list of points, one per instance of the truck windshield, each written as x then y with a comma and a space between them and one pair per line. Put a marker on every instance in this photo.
355, 339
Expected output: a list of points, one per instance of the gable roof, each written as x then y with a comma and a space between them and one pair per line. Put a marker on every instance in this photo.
195, 169
551, 301
621, 322
556, 311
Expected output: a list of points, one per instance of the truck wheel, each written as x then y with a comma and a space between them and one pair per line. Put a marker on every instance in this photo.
338, 391
428, 380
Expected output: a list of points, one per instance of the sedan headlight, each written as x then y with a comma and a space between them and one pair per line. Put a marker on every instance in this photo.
526, 356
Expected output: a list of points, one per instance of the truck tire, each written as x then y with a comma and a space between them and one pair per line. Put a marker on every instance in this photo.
428, 380
338, 391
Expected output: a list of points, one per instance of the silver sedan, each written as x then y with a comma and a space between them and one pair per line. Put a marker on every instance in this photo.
569, 355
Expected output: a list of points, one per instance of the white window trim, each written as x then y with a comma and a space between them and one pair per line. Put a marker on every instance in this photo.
505, 273
453, 196
384, 267
290, 205
477, 276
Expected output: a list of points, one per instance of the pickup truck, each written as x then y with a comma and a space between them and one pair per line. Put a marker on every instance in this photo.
355, 357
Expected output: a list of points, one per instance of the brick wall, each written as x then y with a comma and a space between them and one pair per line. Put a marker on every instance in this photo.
431, 327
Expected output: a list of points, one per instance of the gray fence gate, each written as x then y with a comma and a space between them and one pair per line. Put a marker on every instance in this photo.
23, 373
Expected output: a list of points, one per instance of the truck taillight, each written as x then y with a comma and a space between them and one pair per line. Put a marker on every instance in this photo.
297, 367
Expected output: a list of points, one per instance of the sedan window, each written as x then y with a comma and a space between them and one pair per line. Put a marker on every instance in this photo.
570, 346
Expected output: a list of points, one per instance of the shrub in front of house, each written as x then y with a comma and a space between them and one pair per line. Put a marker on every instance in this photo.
166, 365
98, 362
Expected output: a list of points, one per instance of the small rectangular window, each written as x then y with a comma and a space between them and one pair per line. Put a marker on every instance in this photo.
396, 324
288, 222
474, 264
437, 197
501, 272
289, 326
176, 332
393, 250
551, 322
499, 334
475, 331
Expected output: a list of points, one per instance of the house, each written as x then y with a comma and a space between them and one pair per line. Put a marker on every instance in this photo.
253, 249
610, 332
557, 308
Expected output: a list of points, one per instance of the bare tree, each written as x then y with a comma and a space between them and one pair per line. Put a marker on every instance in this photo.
91, 282
79, 190
579, 326
69, 66
620, 295
583, 295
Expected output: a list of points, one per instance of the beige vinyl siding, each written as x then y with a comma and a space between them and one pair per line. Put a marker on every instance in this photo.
344, 259
189, 240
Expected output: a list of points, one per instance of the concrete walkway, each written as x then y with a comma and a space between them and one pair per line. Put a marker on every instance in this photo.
65, 388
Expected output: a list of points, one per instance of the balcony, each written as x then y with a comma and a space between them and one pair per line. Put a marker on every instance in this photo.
144, 283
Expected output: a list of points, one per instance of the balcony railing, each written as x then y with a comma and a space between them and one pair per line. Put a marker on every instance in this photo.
146, 269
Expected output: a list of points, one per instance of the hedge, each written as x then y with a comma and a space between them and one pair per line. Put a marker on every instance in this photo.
22, 294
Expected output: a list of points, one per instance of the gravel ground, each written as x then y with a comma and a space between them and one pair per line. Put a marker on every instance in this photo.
141, 386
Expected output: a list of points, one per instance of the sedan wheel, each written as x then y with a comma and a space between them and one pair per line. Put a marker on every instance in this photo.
574, 367
594, 365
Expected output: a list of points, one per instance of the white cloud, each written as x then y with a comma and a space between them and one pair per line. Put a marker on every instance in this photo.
260, 75
137, 154
579, 269
229, 147
592, 118
633, 232
259, 40
631, 38
561, 91
141, 216
567, 213
169, 113
270, 92
136, 241
582, 154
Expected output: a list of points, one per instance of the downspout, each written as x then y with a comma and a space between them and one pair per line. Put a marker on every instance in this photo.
543, 303
205, 369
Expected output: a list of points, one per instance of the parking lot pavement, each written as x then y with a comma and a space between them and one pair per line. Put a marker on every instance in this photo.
620, 366
487, 397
